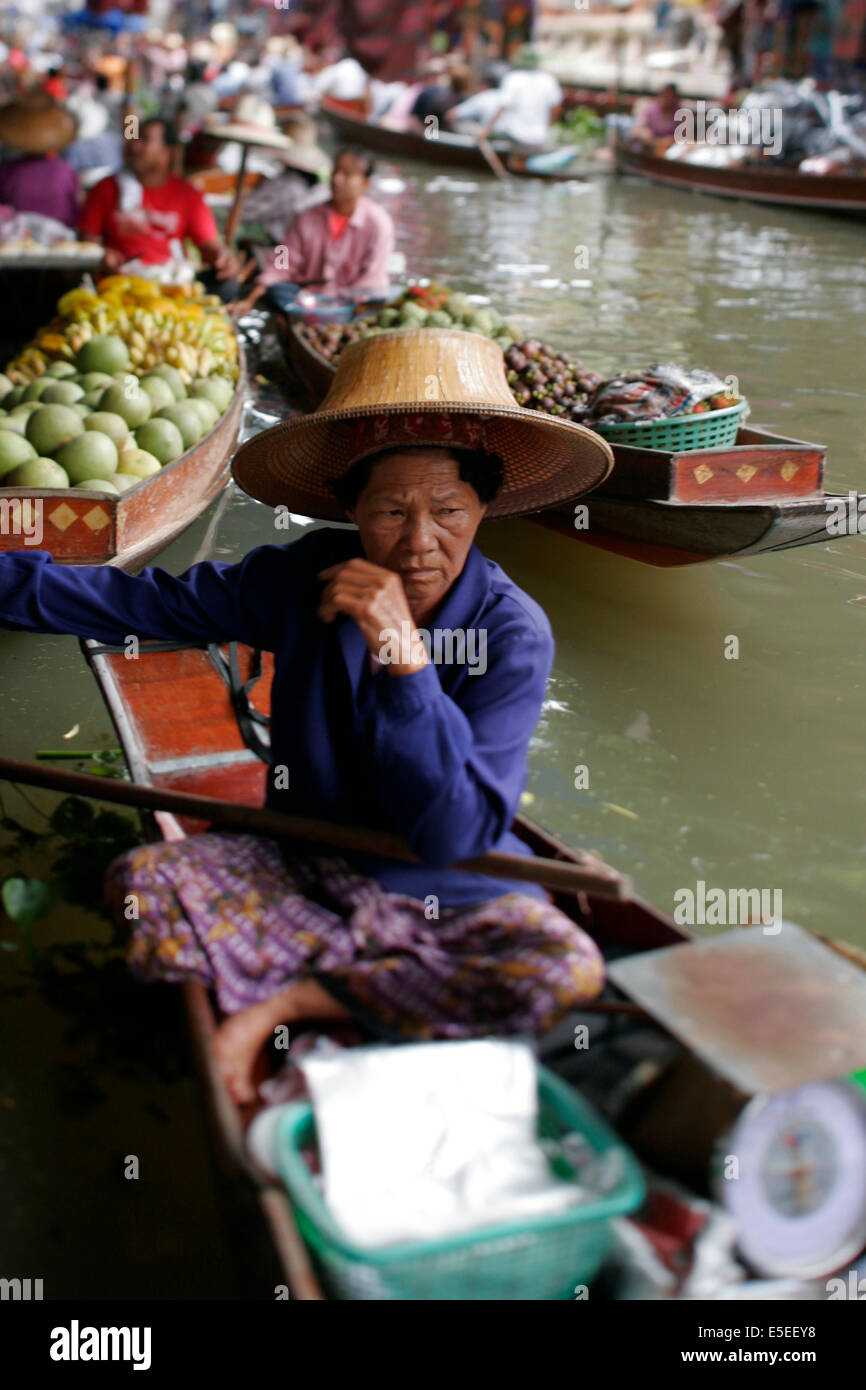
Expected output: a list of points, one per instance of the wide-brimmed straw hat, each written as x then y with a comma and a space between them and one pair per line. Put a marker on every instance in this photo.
253, 122
438, 387
36, 125
306, 153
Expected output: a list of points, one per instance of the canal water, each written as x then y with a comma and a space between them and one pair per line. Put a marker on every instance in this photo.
689, 765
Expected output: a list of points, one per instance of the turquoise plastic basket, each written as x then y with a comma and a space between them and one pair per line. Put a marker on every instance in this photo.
543, 1258
680, 432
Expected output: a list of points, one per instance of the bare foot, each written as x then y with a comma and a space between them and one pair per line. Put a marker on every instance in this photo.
241, 1037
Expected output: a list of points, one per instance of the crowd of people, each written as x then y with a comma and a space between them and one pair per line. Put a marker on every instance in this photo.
101, 143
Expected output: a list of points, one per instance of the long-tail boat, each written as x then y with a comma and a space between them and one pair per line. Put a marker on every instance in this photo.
83, 527
760, 183
763, 493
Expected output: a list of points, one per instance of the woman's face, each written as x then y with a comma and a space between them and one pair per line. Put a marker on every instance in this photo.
417, 518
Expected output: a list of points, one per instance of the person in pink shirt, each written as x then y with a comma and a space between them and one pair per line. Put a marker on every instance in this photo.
341, 246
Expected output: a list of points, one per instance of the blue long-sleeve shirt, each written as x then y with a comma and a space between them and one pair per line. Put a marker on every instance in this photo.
438, 756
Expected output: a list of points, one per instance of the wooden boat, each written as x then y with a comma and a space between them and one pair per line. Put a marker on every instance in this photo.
459, 151
175, 721
91, 528
667, 508
764, 493
761, 183
215, 183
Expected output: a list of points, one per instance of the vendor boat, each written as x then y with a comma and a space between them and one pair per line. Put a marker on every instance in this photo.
175, 720
178, 720
762, 494
673, 507
83, 527
760, 183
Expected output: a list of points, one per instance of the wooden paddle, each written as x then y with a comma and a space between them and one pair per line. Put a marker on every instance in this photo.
234, 216
556, 874
492, 158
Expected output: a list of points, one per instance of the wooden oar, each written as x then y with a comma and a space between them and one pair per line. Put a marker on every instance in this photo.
492, 158
551, 873
234, 216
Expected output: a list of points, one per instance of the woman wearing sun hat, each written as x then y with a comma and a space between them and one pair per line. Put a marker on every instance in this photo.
418, 440
35, 179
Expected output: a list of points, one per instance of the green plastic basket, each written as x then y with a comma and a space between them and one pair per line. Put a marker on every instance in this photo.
680, 432
540, 1258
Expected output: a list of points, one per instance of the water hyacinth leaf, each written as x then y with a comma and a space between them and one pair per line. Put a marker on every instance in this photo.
26, 899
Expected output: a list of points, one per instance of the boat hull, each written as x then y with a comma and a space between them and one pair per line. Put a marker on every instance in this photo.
351, 127
782, 187
670, 534
89, 528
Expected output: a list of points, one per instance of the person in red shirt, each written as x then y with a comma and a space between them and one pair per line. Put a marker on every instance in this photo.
145, 212
55, 86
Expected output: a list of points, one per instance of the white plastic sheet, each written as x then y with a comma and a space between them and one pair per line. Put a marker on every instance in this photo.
428, 1139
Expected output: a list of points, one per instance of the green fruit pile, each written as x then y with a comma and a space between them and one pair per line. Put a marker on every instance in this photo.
95, 424
430, 307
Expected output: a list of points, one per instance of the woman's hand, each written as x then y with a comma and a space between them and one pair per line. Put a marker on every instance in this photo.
376, 600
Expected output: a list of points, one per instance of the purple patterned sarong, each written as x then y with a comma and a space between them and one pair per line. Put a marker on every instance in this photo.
233, 913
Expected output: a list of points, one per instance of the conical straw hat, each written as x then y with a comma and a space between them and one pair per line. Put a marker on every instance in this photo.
36, 125
421, 386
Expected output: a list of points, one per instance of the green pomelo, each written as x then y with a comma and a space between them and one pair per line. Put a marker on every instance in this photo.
38, 472
60, 369
92, 398
207, 412
98, 484
91, 455
139, 463
93, 381
172, 376
160, 437
186, 419
127, 400
51, 426
36, 389
62, 393
159, 390
25, 408
124, 481
108, 423
13, 397
16, 423
83, 409
5, 386
105, 353
13, 451
214, 388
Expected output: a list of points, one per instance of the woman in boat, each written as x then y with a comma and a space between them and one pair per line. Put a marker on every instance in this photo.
409, 677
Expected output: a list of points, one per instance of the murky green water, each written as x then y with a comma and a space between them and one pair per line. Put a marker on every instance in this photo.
744, 773
748, 772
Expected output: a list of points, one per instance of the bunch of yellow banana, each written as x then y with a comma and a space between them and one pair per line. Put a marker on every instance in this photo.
177, 324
